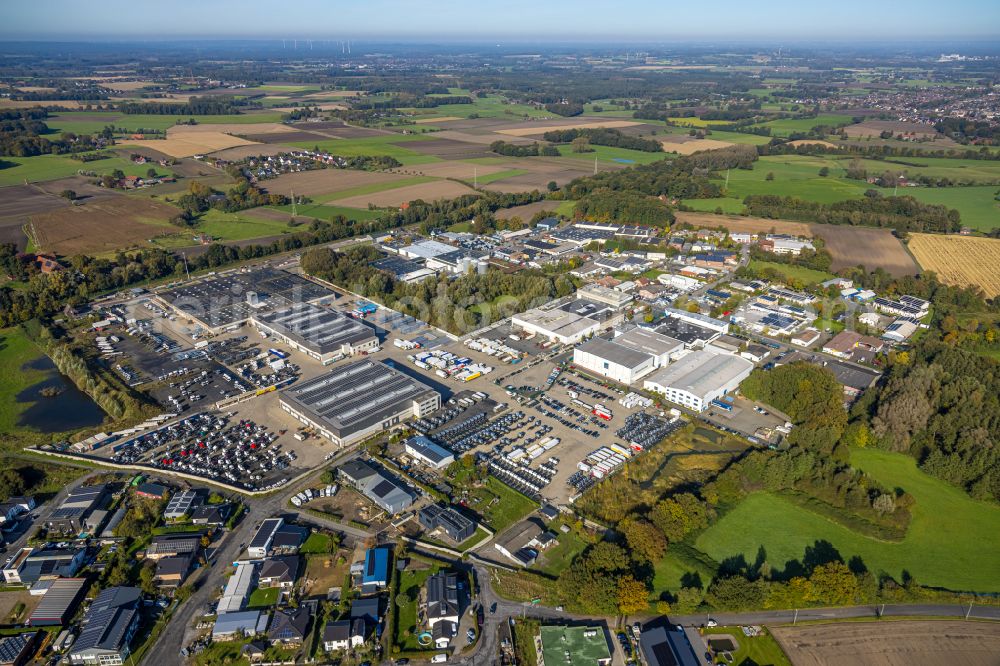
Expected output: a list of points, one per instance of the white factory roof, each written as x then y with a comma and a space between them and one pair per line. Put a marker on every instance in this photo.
701, 372
649, 341
614, 353
556, 322
427, 249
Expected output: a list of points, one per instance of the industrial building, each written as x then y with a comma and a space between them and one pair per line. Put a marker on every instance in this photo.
403, 270
557, 325
574, 646
357, 400
228, 300
698, 319
321, 333
662, 348
238, 588
261, 542
901, 329
612, 360
424, 450
375, 483
699, 378
665, 646
601, 294
181, 504
692, 335
110, 625
238, 625
456, 525
30, 565
59, 602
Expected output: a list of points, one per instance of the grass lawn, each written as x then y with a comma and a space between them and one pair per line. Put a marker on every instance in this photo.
237, 226
947, 544
501, 506
806, 276
384, 144
499, 175
16, 351
491, 106
264, 597
557, 558
760, 650
327, 211
410, 582
316, 543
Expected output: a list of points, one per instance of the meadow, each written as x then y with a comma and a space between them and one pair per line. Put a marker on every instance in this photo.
786, 126
937, 549
52, 167
798, 275
16, 352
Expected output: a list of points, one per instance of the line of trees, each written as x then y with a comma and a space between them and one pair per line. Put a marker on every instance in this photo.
902, 213
516, 150
605, 137
196, 106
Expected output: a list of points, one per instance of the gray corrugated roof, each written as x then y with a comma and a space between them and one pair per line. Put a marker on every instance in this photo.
614, 352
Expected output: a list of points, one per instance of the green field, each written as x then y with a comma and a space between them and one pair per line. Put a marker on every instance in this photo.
786, 126
950, 543
499, 175
511, 506
727, 204
609, 154
52, 167
491, 106
326, 211
978, 205
239, 226
15, 351
806, 276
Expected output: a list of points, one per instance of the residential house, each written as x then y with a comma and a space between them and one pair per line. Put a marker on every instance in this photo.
213, 515
173, 570
290, 626
172, 545
279, 571
344, 635
442, 607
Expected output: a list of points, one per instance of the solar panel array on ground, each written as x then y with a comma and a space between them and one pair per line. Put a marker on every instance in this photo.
222, 300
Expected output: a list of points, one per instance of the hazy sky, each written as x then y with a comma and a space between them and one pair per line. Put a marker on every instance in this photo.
513, 20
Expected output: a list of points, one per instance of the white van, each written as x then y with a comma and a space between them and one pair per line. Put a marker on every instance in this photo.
439, 658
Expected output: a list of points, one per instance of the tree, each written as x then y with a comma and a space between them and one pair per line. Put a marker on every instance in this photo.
147, 577
644, 539
824, 172
581, 144
633, 596
11, 482
150, 172
884, 503
769, 176
552, 186
834, 584
69, 195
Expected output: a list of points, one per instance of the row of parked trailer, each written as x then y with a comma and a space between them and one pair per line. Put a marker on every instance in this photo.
601, 462
445, 365
504, 353
309, 494
525, 480
525, 455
